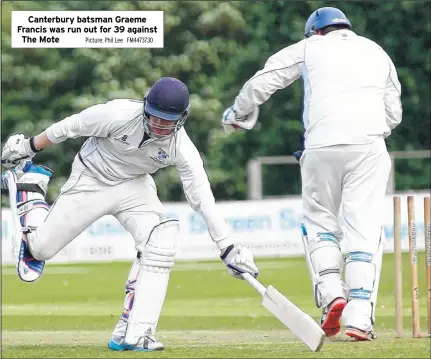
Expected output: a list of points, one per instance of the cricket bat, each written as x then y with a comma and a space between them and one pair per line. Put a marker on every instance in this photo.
300, 323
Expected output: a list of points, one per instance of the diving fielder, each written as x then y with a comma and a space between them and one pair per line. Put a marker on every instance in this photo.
111, 175
351, 104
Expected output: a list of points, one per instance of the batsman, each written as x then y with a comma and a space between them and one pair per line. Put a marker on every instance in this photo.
351, 105
128, 141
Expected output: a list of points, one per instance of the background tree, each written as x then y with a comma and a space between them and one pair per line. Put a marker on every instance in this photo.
214, 47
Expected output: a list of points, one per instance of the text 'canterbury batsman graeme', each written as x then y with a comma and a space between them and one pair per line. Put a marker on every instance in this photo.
86, 20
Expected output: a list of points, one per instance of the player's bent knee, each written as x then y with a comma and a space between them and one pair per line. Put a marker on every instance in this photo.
162, 246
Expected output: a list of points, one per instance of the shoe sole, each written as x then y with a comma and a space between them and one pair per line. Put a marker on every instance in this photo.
358, 335
37, 267
331, 326
121, 348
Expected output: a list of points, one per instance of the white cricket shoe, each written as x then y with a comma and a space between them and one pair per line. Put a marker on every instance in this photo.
145, 344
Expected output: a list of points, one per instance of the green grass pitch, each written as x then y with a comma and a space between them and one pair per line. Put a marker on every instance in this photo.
71, 311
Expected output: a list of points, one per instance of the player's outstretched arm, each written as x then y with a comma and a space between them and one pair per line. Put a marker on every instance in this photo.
197, 189
98, 120
280, 71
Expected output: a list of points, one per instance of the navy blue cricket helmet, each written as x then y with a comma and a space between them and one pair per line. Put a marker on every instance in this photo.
323, 17
169, 100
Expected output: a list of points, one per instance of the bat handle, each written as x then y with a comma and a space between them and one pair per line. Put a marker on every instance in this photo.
254, 283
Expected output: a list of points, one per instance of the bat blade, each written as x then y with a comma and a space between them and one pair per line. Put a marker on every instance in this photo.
300, 323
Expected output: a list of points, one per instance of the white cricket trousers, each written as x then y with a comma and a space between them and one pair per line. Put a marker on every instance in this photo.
352, 178
343, 192
83, 199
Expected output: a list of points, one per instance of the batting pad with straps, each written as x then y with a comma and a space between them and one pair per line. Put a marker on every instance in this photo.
31, 210
27, 185
325, 261
147, 284
31, 207
360, 278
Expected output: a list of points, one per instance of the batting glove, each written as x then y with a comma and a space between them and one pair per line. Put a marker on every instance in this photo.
238, 260
17, 149
232, 122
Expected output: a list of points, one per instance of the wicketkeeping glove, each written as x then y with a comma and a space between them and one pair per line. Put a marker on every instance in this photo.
231, 122
239, 259
297, 155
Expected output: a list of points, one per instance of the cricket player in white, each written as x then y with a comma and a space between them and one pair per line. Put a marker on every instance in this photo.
111, 175
351, 104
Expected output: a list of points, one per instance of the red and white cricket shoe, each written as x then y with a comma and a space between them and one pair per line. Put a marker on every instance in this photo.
330, 320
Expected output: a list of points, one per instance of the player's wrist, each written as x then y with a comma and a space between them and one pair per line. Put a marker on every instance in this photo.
225, 251
223, 244
33, 145
29, 148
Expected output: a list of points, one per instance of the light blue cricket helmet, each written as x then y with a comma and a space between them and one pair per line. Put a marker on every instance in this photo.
323, 17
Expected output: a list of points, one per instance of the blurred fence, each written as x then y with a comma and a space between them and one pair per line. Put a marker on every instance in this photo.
269, 227
255, 178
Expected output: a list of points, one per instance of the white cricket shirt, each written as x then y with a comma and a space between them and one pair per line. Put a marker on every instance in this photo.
351, 88
117, 151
